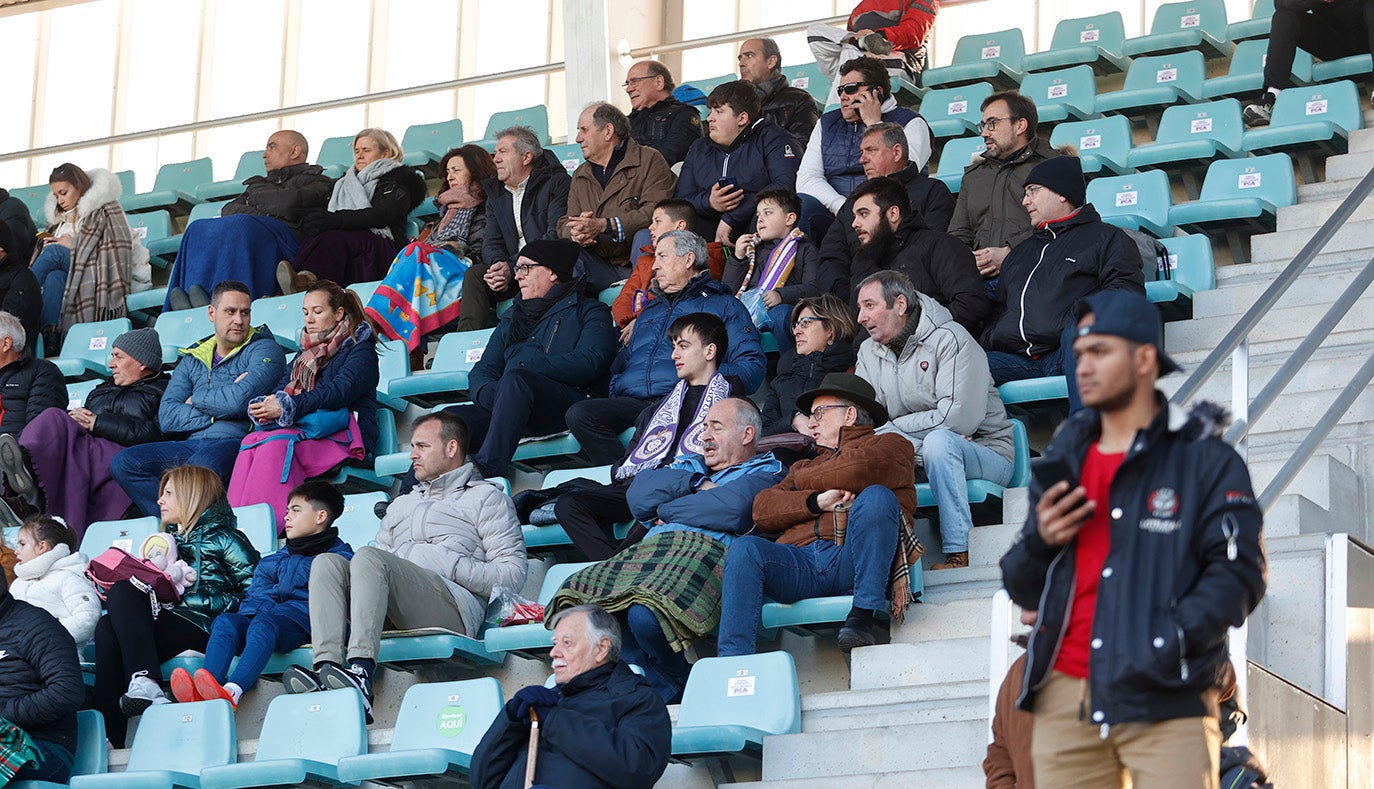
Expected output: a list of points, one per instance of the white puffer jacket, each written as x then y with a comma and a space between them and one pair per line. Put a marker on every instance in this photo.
56, 582
463, 528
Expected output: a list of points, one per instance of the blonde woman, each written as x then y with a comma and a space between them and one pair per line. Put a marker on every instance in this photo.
365, 226
133, 640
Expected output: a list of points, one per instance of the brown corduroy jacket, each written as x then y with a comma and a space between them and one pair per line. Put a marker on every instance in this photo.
1008, 763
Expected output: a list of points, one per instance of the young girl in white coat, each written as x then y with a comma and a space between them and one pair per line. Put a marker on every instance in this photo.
51, 574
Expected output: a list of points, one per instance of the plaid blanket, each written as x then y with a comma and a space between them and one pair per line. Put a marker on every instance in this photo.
909, 552
677, 574
16, 751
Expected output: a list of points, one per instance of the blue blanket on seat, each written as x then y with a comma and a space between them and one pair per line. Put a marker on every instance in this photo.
240, 246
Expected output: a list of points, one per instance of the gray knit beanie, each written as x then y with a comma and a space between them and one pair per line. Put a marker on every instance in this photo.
143, 346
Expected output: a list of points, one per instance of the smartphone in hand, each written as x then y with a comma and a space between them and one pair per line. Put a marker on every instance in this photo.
1048, 471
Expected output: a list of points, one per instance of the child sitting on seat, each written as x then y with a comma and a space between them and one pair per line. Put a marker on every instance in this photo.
778, 261
275, 614
51, 574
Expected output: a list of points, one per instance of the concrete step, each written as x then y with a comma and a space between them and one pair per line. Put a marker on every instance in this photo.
931, 663
932, 621
1312, 214
1287, 323
959, 742
988, 544
1288, 630
934, 778
1239, 287
909, 706
1283, 245
1349, 165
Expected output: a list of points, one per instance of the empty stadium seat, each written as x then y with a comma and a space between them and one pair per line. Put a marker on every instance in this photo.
1239, 194
92, 755
126, 535
393, 364
78, 390
1134, 202
982, 57
259, 524
174, 188
957, 155
1257, 26
541, 540
532, 638
1103, 144
250, 164
437, 730
1093, 41
1245, 76
335, 156
1191, 270
1193, 25
609, 295
954, 112
284, 316
359, 523
173, 744
810, 78
1318, 117
426, 143
154, 230
86, 348
731, 703
182, 329
570, 155
708, 84
536, 118
1356, 66
1192, 136
1069, 93
35, 197
1153, 83
303, 738
126, 182
1034, 390
453, 360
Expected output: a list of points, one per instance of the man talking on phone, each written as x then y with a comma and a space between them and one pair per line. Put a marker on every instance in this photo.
1142, 548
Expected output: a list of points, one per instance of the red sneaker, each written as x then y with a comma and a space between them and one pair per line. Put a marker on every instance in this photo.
209, 688
183, 687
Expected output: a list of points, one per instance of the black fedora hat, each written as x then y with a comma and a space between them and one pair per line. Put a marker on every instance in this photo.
846, 386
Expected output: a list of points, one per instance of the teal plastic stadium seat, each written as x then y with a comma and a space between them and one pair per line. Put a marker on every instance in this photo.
182, 329
548, 447
1245, 77
126, 182
393, 363
1134, 202
455, 357
250, 164
364, 290
142, 306
1193, 25
1190, 270
982, 57
954, 112
154, 230
1093, 41
303, 737
173, 744
570, 155
532, 638
811, 79
86, 348
1034, 390
358, 524
126, 534
362, 477
981, 490
205, 211
259, 524
536, 118
1104, 144
1153, 83
708, 84
78, 390
1257, 26
957, 155
335, 156
1244, 193
731, 703
540, 539
1319, 117
1357, 66
426, 143
1069, 93
609, 295
92, 757
35, 197
1193, 135
437, 730
284, 316
174, 187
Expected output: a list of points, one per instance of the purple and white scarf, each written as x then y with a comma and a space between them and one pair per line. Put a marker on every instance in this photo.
657, 439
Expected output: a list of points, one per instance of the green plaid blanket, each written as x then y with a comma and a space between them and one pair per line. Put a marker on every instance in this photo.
17, 750
678, 575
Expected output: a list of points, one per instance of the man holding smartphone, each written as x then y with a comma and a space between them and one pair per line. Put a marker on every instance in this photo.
1140, 552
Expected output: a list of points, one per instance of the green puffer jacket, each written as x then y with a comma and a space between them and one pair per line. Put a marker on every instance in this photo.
223, 560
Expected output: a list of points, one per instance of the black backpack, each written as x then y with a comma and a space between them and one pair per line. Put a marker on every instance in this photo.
1154, 256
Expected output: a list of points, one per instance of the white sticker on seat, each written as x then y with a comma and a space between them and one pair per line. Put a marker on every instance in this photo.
1200, 125
1089, 141
1058, 91
1166, 75
1316, 107
992, 52
1248, 180
474, 355
958, 107
98, 343
1089, 36
1190, 20
740, 686
1127, 198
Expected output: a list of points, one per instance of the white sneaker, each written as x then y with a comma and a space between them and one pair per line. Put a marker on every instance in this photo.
142, 694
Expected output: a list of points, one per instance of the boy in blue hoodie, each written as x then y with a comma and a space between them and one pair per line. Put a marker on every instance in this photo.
275, 615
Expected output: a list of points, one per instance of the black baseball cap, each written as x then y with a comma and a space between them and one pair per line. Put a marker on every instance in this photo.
1129, 316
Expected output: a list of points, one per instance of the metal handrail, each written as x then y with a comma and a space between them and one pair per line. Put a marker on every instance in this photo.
730, 38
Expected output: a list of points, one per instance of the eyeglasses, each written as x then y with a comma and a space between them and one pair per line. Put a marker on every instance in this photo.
850, 88
525, 268
1033, 189
818, 411
803, 323
631, 80
991, 123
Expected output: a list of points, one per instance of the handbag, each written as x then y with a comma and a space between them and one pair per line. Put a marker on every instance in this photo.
117, 564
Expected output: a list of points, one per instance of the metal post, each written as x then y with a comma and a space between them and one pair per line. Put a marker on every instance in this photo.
1240, 390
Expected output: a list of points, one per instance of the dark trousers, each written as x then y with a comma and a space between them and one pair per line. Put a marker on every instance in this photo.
479, 301
522, 403
598, 423
128, 640
1061, 361
589, 517
1330, 32
139, 469
55, 765
644, 645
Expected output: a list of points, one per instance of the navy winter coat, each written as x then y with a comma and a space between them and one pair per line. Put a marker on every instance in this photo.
574, 343
764, 156
645, 367
348, 381
40, 678
544, 202
281, 585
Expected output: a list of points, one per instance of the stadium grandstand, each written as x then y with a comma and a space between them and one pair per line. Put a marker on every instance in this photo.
1262, 235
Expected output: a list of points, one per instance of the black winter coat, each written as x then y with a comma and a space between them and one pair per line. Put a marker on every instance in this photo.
290, 194
793, 109
40, 678
398, 192
127, 415
610, 731
23, 233
669, 127
573, 343
937, 264
21, 296
930, 199
802, 283
28, 387
798, 373
1044, 277
544, 203
1186, 562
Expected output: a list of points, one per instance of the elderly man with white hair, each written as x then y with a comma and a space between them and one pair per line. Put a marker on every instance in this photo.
28, 386
601, 726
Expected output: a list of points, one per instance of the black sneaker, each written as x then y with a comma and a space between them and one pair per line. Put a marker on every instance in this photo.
298, 679
1259, 113
336, 678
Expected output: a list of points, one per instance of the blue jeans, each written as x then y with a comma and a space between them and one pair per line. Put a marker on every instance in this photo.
755, 566
55, 764
255, 638
139, 469
50, 269
1016, 366
643, 644
951, 460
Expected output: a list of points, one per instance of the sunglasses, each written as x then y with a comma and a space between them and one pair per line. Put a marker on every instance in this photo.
850, 88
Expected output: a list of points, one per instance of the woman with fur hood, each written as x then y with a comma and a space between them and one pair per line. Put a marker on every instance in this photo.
51, 574
88, 260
